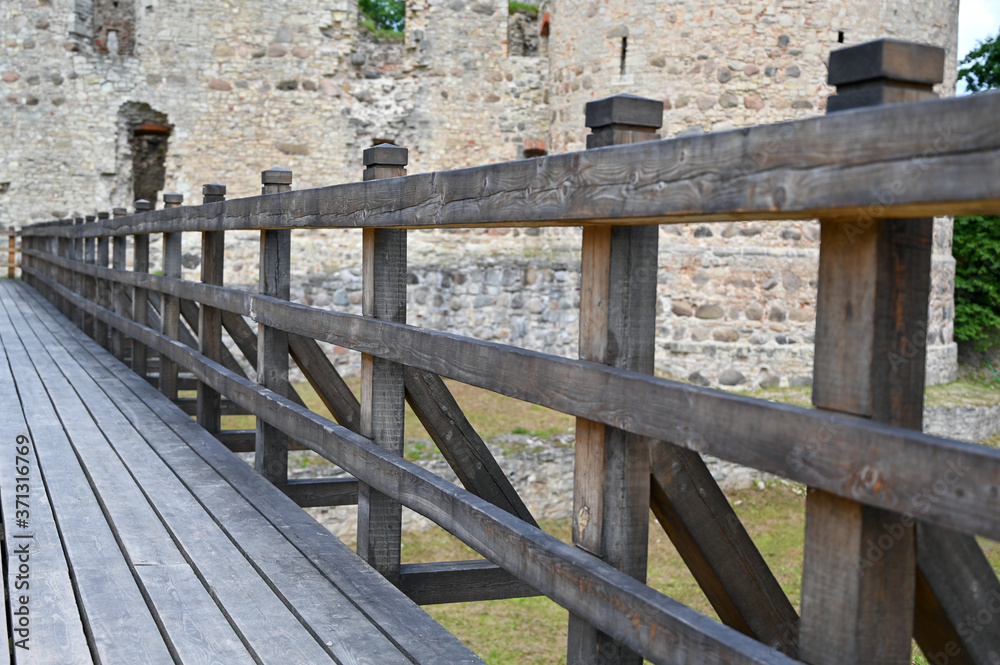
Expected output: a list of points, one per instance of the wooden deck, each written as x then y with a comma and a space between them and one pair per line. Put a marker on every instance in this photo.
133, 536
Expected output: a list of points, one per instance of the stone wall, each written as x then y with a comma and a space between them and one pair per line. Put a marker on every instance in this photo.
249, 85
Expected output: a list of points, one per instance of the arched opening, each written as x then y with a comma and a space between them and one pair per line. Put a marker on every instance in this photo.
143, 134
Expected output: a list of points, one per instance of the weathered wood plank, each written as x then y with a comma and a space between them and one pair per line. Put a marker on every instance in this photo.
119, 298
859, 569
140, 311
321, 492
89, 283
824, 449
189, 405
108, 595
41, 596
459, 582
383, 268
462, 447
264, 616
192, 453
716, 548
655, 626
836, 166
325, 380
618, 270
170, 323
213, 256
103, 297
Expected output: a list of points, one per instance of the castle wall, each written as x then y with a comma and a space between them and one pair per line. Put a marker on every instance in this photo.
250, 85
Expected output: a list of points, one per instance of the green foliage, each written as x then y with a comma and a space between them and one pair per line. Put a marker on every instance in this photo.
515, 7
977, 280
384, 18
981, 70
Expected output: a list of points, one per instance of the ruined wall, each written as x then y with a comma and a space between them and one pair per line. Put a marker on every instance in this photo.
250, 85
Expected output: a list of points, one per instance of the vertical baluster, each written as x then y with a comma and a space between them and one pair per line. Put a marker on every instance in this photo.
170, 306
63, 275
11, 253
382, 393
76, 253
140, 301
617, 327
271, 452
857, 596
213, 245
103, 288
119, 294
89, 281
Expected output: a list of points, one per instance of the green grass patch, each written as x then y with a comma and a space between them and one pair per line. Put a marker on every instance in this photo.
515, 7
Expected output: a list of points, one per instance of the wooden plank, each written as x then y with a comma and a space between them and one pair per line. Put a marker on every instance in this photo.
106, 591
140, 310
271, 453
383, 269
325, 380
462, 447
823, 449
957, 599
321, 492
266, 622
459, 582
45, 619
213, 246
716, 548
103, 299
618, 270
654, 626
859, 570
189, 405
89, 283
332, 615
238, 440
76, 253
835, 166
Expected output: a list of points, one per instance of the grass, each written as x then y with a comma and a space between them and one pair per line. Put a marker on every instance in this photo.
967, 392
514, 7
492, 415
528, 631
381, 34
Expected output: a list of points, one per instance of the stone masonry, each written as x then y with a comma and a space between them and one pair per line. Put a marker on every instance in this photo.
237, 87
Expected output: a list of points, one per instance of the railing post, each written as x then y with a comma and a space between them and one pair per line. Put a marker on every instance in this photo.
382, 392
64, 275
76, 253
103, 292
89, 282
170, 306
617, 327
11, 253
119, 293
140, 296
859, 569
271, 451
213, 254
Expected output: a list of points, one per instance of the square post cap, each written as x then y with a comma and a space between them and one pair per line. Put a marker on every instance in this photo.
175, 198
276, 176
78, 220
213, 189
892, 59
141, 205
624, 110
386, 154
119, 212
100, 215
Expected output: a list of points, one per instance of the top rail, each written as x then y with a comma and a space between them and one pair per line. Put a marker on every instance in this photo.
930, 158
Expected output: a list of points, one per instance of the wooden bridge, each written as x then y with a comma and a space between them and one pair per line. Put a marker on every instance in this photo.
133, 534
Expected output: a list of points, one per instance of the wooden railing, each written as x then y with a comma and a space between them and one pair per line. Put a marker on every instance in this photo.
11, 249
891, 512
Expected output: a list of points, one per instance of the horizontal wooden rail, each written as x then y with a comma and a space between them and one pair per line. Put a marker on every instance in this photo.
872, 463
459, 582
908, 160
639, 617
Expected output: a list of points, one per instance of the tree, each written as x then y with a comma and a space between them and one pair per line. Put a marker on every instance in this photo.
976, 244
980, 68
389, 15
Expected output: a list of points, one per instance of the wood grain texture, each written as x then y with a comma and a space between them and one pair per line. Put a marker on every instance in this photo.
838, 166
331, 388
101, 330
459, 582
462, 447
119, 297
321, 492
213, 255
411, 630
170, 312
108, 594
89, 283
654, 625
284, 609
618, 270
823, 449
383, 294
716, 548
271, 454
140, 312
